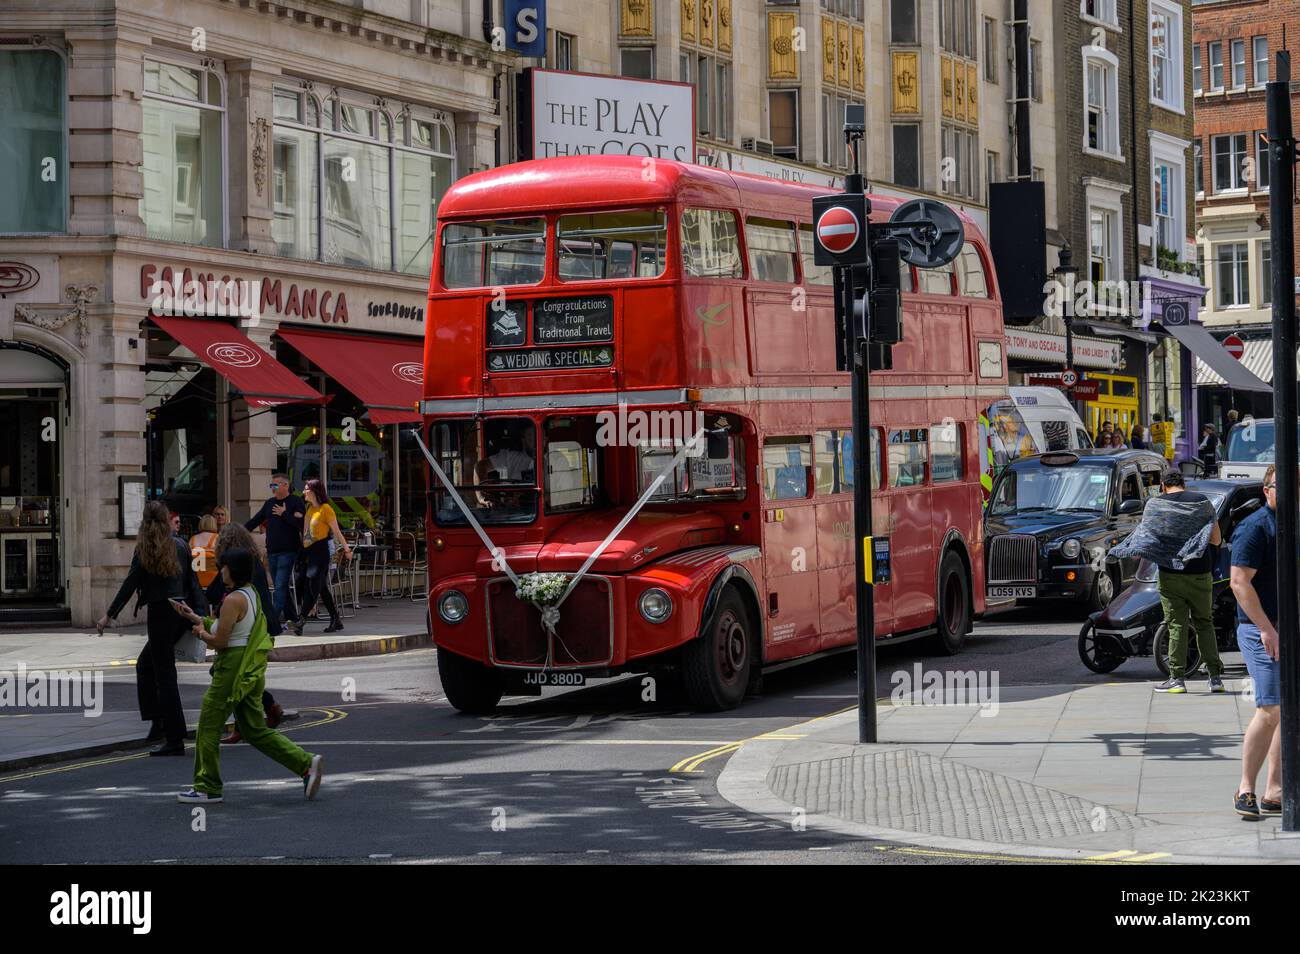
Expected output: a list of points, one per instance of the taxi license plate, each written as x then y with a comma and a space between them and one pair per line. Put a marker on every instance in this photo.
1012, 592
548, 678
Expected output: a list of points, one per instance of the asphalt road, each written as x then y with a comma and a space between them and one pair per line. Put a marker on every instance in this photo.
592, 774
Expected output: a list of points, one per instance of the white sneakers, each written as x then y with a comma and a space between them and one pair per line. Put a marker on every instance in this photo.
311, 781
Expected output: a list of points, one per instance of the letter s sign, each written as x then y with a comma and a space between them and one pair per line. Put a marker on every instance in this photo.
526, 27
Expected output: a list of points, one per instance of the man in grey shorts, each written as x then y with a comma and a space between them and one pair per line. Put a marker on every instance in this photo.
1254, 583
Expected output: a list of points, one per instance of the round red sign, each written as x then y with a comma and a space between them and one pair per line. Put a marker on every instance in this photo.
1234, 346
838, 229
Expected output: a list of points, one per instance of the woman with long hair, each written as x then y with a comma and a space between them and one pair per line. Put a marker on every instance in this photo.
160, 571
319, 524
235, 537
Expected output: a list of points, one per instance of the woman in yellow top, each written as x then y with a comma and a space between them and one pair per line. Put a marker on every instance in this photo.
320, 522
202, 546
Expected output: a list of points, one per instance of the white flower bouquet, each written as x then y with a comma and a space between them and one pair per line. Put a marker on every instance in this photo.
542, 589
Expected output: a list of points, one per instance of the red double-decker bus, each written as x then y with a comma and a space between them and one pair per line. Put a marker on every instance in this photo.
589, 316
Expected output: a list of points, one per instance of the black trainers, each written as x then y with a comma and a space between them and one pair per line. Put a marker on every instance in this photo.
1171, 685
1246, 805
1216, 684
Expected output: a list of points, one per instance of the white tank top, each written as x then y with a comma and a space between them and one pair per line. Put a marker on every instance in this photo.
239, 635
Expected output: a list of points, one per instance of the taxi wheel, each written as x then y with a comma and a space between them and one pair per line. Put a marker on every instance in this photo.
716, 665
1091, 652
1103, 591
1160, 649
471, 687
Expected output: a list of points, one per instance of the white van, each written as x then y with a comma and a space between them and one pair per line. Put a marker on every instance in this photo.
1251, 447
1032, 420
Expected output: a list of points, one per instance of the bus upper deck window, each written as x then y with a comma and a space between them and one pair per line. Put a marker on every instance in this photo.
935, 281
710, 245
612, 245
970, 273
772, 249
494, 252
813, 274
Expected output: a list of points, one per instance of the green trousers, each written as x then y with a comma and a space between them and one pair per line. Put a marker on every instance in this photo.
249, 718
1189, 597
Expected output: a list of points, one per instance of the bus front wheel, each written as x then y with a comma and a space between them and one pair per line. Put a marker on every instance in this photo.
470, 687
716, 665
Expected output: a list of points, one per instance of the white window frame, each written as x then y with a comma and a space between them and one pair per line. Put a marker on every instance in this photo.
1109, 64
1105, 15
1233, 47
624, 50
1264, 253
1237, 177
1173, 98
991, 58
1261, 161
1169, 151
1213, 86
1256, 59
1241, 275
1198, 77
1107, 197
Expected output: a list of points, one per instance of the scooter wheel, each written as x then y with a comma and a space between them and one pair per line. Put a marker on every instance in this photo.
1160, 649
1091, 652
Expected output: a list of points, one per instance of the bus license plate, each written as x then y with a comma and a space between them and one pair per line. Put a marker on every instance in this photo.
555, 679
1012, 592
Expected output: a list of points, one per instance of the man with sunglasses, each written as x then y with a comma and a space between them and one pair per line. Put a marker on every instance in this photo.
283, 517
1254, 583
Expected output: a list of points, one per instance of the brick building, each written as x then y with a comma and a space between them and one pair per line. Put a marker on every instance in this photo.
1236, 45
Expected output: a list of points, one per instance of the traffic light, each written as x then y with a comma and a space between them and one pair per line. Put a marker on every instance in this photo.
886, 293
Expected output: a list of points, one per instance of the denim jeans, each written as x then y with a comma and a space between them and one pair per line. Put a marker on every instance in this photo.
282, 565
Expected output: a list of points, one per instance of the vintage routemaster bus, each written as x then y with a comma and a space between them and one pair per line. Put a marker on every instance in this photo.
579, 310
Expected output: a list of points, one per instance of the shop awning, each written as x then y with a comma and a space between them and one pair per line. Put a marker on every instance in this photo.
1256, 357
386, 374
1197, 340
263, 381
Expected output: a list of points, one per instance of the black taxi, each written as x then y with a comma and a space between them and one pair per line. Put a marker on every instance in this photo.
1052, 518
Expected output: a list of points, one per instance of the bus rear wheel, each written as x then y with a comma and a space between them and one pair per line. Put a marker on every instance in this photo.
716, 665
470, 687
954, 608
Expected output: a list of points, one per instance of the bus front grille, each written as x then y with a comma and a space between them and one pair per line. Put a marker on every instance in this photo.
583, 637
1013, 558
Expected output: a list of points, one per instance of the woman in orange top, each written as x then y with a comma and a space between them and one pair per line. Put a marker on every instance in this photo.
202, 545
320, 522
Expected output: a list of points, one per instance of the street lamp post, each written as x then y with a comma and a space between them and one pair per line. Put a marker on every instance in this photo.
1065, 273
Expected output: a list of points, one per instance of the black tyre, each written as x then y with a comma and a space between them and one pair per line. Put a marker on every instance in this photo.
1160, 649
716, 666
1103, 591
471, 687
954, 606
1093, 654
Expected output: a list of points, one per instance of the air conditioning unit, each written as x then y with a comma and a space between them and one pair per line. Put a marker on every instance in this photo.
764, 146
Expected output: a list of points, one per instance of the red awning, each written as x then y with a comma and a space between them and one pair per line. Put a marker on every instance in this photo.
386, 374
263, 381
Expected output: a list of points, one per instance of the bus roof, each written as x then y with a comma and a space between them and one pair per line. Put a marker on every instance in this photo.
579, 182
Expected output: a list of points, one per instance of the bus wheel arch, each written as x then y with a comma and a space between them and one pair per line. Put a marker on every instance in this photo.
954, 595
723, 662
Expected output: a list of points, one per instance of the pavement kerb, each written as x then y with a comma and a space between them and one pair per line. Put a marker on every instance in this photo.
743, 782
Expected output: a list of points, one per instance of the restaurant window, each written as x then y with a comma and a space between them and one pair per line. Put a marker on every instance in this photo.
493, 252
606, 245
945, 452
813, 273
183, 123
31, 113
783, 122
786, 465
378, 175
908, 451
772, 250
833, 459
1164, 383
710, 245
637, 62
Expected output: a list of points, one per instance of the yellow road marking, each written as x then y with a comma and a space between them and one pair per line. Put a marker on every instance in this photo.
330, 715
1113, 855
693, 762
1107, 859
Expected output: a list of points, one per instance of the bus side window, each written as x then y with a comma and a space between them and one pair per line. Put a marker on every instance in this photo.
907, 457
710, 245
813, 274
833, 460
786, 463
935, 281
772, 250
946, 441
970, 273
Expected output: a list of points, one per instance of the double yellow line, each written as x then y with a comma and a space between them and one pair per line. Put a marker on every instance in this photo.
692, 763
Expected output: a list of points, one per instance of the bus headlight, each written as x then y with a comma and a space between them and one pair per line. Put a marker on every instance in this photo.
453, 607
1071, 548
656, 605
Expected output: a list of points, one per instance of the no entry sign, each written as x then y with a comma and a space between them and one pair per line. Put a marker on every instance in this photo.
1234, 346
840, 232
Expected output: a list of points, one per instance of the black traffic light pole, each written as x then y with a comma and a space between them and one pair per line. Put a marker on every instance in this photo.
1282, 162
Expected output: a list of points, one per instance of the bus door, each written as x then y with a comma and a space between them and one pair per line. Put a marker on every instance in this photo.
790, 555
912, 554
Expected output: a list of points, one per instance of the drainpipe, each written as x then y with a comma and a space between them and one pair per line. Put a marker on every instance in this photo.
488, 25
